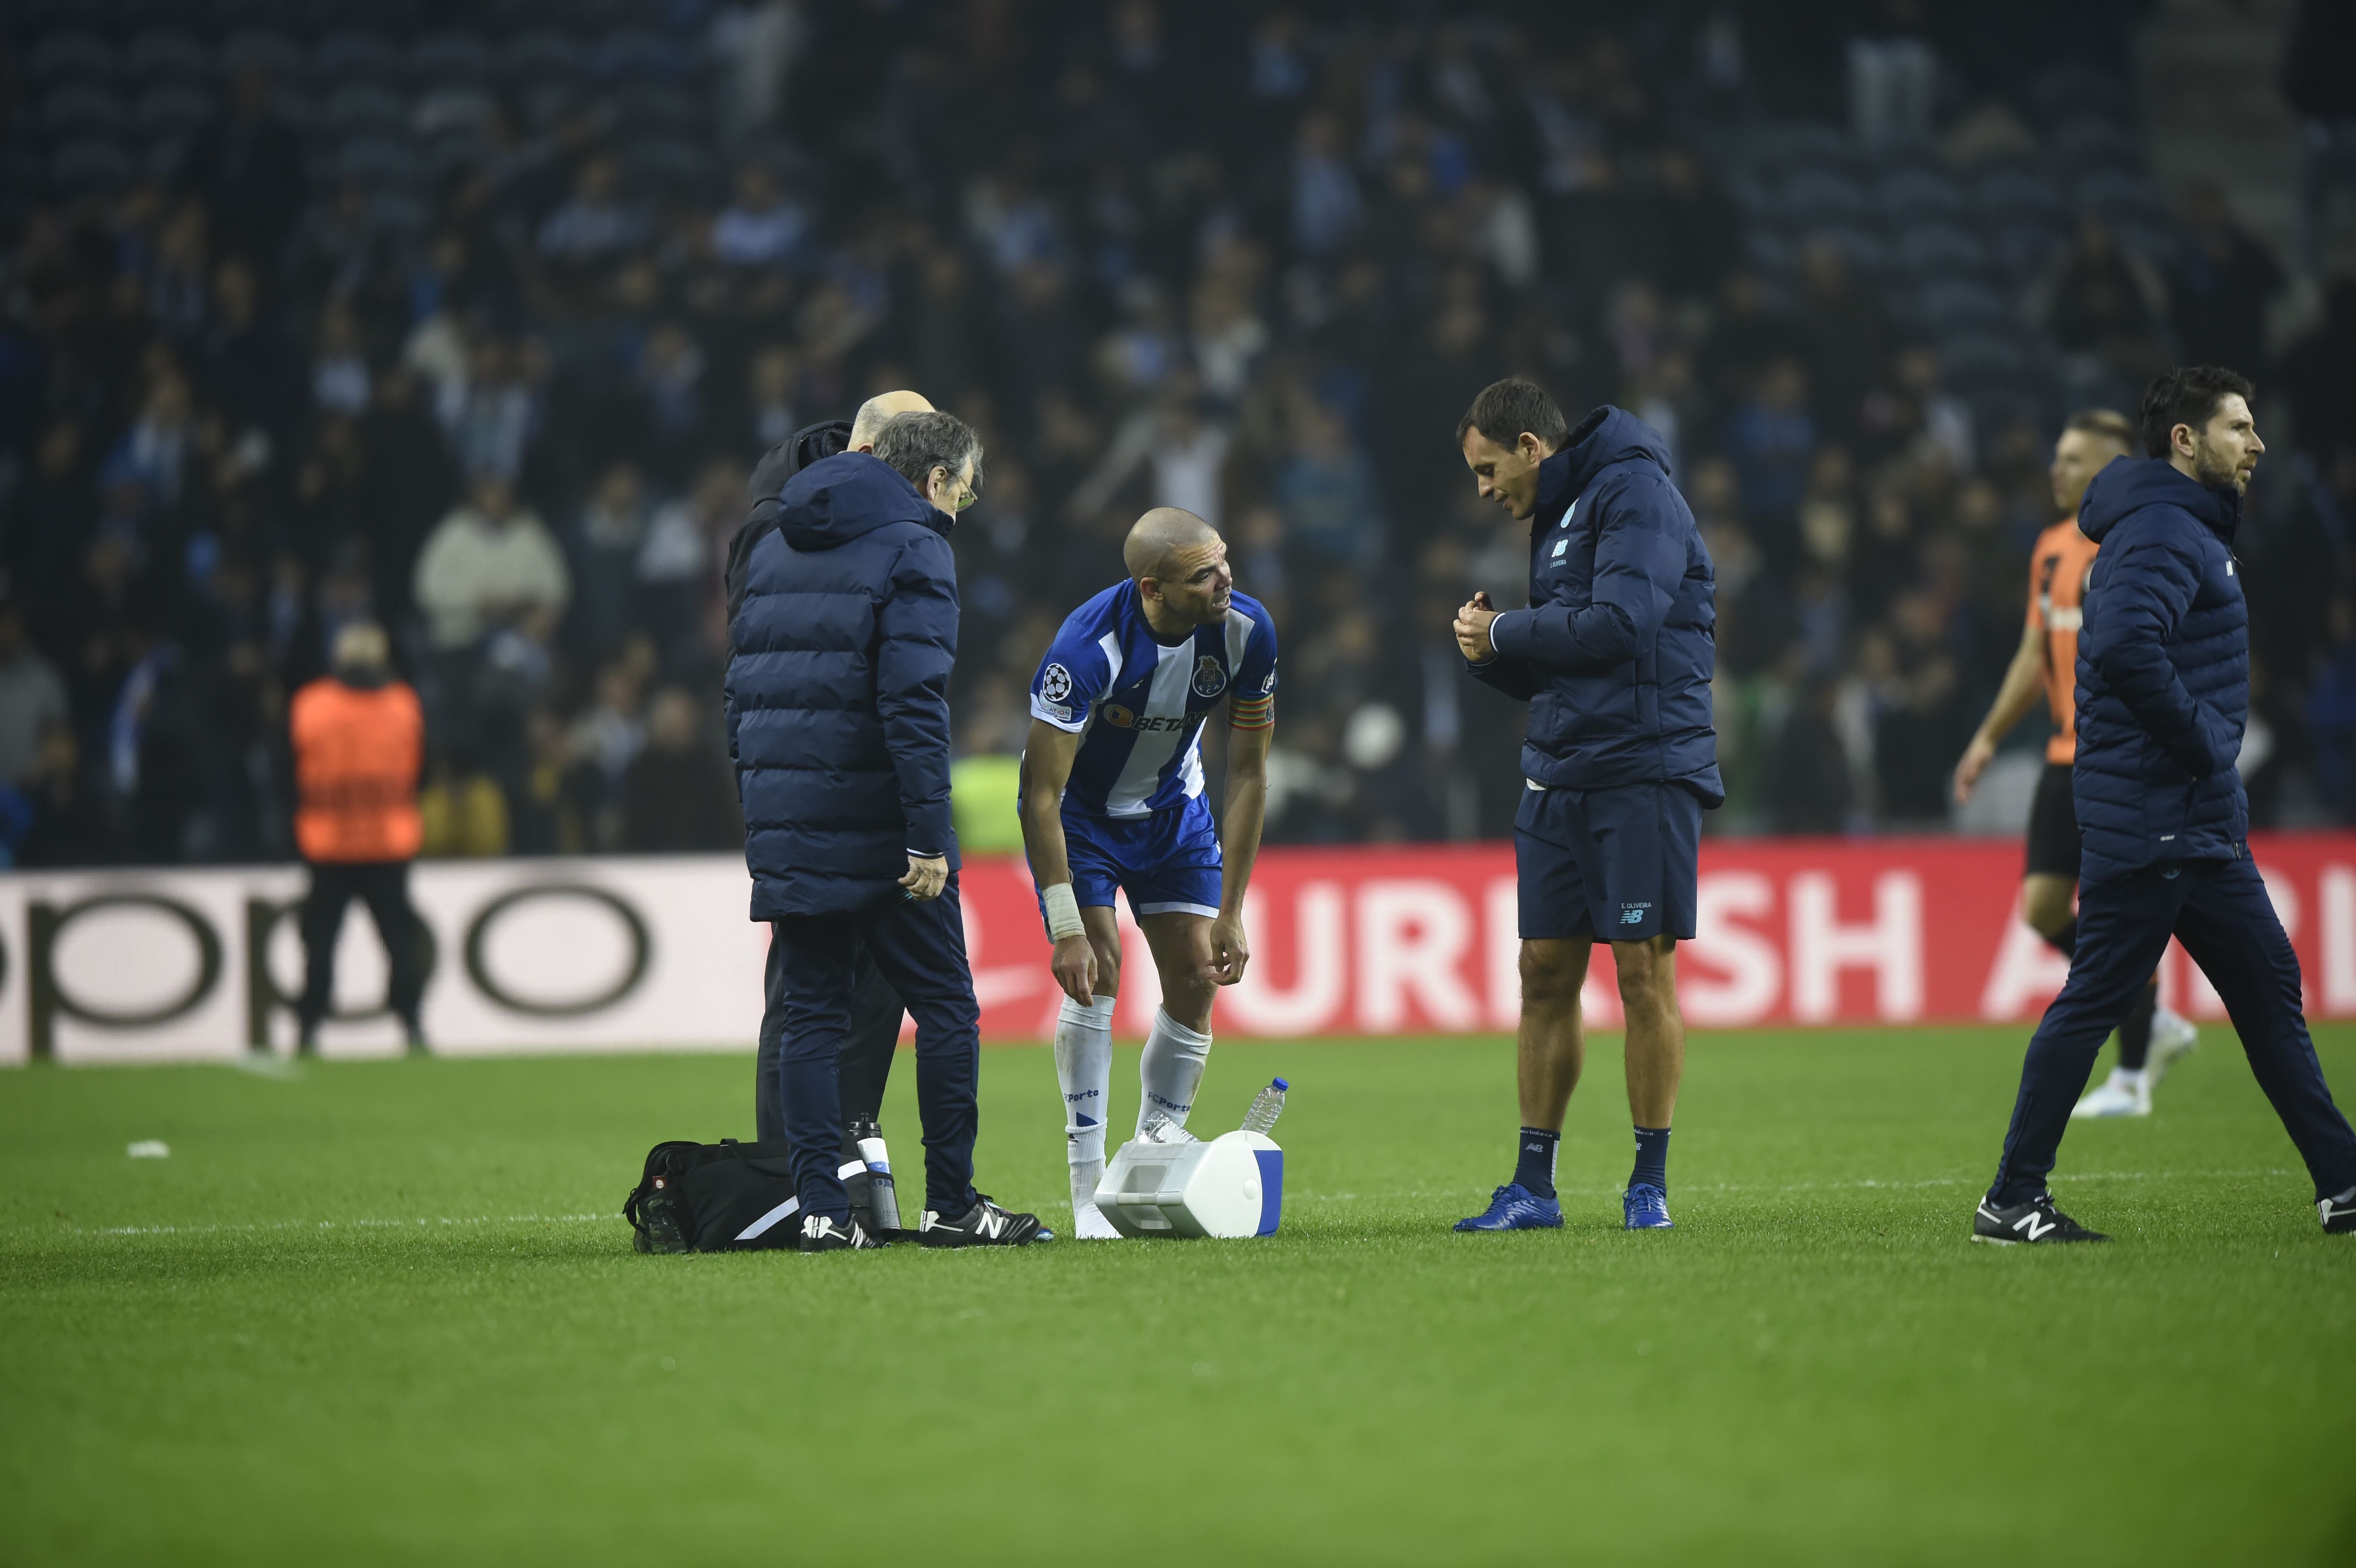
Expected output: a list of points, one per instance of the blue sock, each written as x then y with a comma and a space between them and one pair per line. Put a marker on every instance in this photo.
1652, 1159
1533, 1166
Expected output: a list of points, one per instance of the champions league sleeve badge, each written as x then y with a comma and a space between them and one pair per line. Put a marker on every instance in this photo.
1055, 683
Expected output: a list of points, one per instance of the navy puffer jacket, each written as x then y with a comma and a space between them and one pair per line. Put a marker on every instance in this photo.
836, 693
2163, 674
1615, 653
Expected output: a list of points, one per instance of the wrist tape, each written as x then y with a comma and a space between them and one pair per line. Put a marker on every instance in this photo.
1063, 911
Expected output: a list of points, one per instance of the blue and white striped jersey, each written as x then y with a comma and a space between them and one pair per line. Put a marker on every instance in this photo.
1139, 703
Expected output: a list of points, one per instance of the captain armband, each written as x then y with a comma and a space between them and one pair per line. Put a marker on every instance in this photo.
1063, 911
1255, 713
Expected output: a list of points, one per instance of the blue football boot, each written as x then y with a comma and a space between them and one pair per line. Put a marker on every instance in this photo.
1513, 1207
1645, 1207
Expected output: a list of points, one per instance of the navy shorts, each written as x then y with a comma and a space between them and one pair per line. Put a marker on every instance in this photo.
1165, 862
1614, 865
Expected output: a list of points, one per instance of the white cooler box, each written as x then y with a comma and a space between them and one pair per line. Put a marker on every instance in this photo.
1231, 1186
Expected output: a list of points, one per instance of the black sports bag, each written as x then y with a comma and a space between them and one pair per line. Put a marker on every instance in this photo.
716, 1198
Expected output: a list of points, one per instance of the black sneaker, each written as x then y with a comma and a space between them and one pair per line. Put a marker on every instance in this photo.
2337, 1215
825, 1233
983, 1225
2035, 1221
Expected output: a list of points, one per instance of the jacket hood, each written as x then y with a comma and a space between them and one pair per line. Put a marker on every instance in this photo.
2128, 485
839, 498
1606, 436
793, 454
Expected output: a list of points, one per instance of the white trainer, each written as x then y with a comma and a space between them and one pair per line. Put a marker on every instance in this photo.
2123, 1093
1089, 1224
2172, 1040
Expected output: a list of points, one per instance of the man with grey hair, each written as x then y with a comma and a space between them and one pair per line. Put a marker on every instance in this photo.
875, 1009
837, 694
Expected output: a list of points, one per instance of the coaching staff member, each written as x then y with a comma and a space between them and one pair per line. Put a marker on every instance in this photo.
837, 701
1614, 656
875, 1010
359, 739
2163, 695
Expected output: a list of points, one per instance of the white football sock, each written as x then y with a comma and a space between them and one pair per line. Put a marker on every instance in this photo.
1084, 1071
1171, 1069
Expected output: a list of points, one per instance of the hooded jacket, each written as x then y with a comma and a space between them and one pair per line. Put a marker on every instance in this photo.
763, 491
2163, 672
837, 694
1615, 653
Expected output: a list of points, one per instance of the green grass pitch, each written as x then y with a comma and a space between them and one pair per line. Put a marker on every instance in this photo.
385, 1313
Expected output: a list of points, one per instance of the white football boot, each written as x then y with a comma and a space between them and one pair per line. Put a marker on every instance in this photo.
2124, 1092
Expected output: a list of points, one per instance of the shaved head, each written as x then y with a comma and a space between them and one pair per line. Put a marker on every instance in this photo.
1160, 534
1179, 563
881, 410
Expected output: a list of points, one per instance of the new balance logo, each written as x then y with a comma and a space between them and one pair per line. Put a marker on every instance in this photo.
990, 1223
1633, 914
2033, 1226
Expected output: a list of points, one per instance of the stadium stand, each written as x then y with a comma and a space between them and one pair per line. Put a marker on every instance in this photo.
475, 318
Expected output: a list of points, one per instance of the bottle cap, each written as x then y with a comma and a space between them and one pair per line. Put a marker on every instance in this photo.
1279, 1083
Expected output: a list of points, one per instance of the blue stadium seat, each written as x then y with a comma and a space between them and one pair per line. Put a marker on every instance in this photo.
164, 54
79, 108
1939, 250
450, 60
35, 19
271, 51
352, 56
667, 166
1919, 195
650, 109
2025, 248
2091, 140
392, 18
175, 108
132, 17
1977, 358
90, 164
628, 52
401, 212
365, 109
543, 55
1804, 144
272, 15
2150, 238
1813, 198
2117, 195
382, 163
2070, 91
2012, 194
74, 55
1866, 252
1952, 306
162, 158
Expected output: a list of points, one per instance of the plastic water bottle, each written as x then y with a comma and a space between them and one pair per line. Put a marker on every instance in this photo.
882, 1195
1266, 1106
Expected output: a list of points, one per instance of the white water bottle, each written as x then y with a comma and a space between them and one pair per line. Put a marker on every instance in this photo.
1266, 1106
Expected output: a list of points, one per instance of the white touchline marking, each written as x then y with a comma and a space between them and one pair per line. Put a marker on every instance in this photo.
1293, 1197
350, 1224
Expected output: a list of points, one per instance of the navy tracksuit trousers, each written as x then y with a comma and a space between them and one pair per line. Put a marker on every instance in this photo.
875, 1013
920, 949
2220, 910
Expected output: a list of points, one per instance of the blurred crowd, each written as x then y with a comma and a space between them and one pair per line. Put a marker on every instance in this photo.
1249, 261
